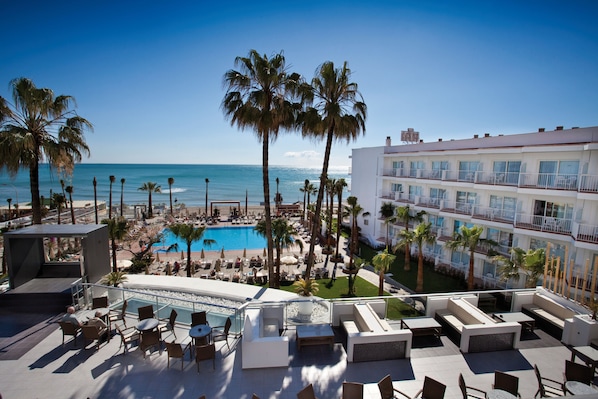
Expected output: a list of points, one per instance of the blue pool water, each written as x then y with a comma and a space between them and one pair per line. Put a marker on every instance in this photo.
229, 238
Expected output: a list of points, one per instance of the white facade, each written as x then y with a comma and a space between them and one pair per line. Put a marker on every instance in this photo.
525, 190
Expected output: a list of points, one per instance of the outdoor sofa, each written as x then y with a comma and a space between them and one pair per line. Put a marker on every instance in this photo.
262, 346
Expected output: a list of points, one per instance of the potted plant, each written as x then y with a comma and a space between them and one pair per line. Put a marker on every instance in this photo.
114, 279
306, 288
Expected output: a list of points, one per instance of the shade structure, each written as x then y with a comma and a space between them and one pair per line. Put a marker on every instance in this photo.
157, 256
217, 266
288, 260
265, 253
182, 255
222, 253
244, 252
203, 255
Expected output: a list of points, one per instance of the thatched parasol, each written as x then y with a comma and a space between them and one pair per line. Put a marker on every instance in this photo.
182, 255
203, 255
244, 252
265, 253
222, 253
157, 256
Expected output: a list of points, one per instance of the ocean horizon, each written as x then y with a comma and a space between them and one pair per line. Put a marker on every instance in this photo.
226, 183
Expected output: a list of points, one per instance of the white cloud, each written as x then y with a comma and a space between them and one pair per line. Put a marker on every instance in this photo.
302, 154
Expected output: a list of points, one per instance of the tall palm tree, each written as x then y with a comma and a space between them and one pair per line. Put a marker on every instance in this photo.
469, 238
112, 180
150, 187
387, 212
382, 262
283, 238
39, 127
404, 216
311, 190
422, 234
353, 210
530, 263
95, 198
339, 188
338, 113
69, 190
59, 200
304, 191
122, 195
170, 183
117, 230
331, 190
190, 234
258, 97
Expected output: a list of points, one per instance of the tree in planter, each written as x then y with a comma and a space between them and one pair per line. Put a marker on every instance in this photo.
405, 217
117, 230
382, 262
469, 238
530, 263
306, 287
114, 278
190, 234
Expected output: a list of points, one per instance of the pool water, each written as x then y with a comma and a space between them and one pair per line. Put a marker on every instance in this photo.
229, 238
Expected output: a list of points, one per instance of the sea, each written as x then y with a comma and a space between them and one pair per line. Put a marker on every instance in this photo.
226, 183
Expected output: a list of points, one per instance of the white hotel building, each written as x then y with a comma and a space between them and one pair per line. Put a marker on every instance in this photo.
526, 190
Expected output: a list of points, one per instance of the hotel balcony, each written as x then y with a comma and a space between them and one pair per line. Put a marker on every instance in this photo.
544, 223
397, 196
584, 183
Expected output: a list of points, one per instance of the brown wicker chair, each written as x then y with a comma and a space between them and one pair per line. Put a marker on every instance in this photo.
307, 393
199, 318
127, 337
432, 389
467, 391
149, 339
221, 333
546, 386
506, 382
99, 302
205, 352
69, 328
116, 315
352, 390
145, 312
97, 334
577, 372
168, 324
176, 351
387, 390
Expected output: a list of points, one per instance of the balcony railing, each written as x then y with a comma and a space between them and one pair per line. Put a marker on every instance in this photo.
461, 208
543, 223
587, 233
494, 214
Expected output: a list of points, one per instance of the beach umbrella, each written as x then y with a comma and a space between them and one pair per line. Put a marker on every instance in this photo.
217, 266
288, 260
182, 255
265, 253
157, 256
244, 252
222, 253
203, 255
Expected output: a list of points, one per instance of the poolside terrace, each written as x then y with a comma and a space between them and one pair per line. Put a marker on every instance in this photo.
33, 363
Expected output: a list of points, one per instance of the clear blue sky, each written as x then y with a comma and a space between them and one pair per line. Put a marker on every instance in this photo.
148, 74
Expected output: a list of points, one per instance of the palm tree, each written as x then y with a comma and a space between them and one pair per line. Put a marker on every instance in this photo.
190, 234
404, 216
469, 238
122, 195
353, 210
339, 113
150, 187
117, 230
387, 212
282, 238
382, 262
170, 183
95, 198
531, 263
331, 190
39, 127
258, 97
422, 234
311, 190
339, 188
112, 180
69, 190
59, 200
304, 190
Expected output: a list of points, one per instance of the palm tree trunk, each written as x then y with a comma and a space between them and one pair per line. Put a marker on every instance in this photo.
114, 268
72, 209
316, 225
338, 224
267, 212
95, 199
471, 267
189, 272
150, 212
420, 269
34, 186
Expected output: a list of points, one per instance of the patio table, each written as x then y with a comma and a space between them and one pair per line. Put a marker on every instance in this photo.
422, 326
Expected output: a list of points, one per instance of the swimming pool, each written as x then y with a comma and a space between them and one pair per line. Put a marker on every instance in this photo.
229, 238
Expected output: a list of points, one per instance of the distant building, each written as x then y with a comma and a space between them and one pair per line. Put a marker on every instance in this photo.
525, 190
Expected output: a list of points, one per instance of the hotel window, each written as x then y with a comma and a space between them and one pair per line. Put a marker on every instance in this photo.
557, 250
458, 223
437, 223
555, 173
489, 269
460, 258
505, 207
414, 167
503, 238
397, 167
465, 201
396, 188
467, 170
436, 195
553, 210
414, 191
509, 170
